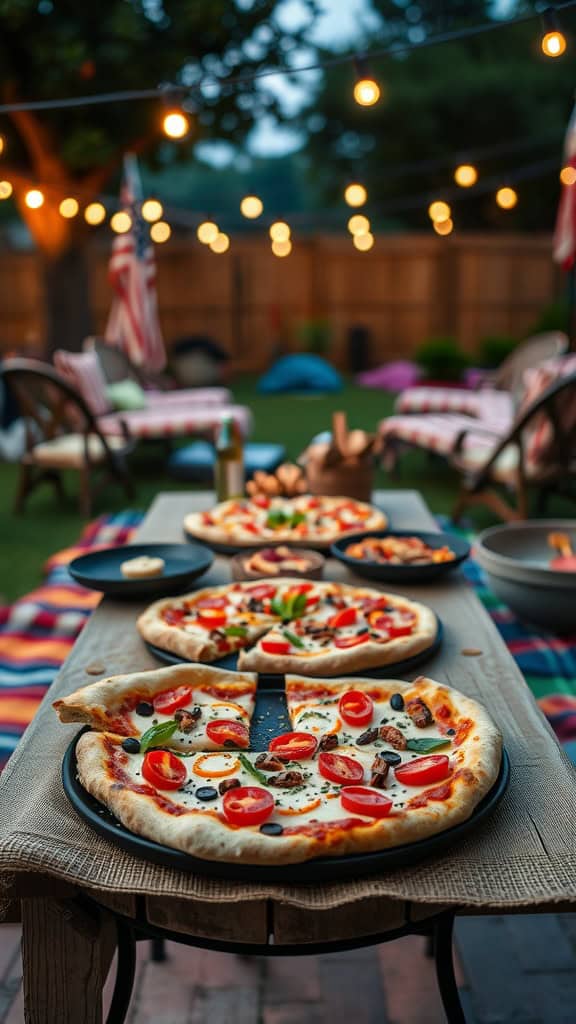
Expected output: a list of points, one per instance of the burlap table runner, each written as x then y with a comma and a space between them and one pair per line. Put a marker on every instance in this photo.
524, 855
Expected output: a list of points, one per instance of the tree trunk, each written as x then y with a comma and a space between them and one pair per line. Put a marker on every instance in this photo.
67, 299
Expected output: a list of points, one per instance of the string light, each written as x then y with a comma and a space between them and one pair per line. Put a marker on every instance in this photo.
207, 232
152, 210
251, 207
443, 227
568, 175
160, 231
34, 199
466, 175
282, 248
553, 41
221, 243
68, 208
6, 189
2, 143
355, 194
363, 242
439, 210
94, 214
367, 92
358, 224
279, 231
175, 124
506, 198
121, 222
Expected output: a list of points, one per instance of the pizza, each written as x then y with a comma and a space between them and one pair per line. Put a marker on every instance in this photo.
398, 551
191, 707
367, 766
313, 627
302, 520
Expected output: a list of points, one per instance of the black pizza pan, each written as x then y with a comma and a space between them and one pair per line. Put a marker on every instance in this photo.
403, 573
321, 869
230, 661
100, 570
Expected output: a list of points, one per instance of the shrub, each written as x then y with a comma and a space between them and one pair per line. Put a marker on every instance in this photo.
554, 317
442, 359
315, 336
494, 349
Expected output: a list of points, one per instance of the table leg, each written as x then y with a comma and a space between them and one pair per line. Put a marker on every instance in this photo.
65, 962
443, 955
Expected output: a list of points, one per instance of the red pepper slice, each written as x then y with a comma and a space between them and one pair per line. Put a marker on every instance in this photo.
351, 641
276, 646
347, 617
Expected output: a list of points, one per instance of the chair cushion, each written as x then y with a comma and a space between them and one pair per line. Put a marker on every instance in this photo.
432, 432
300, 372
178, 421
493, 407
82, 370
68, 451
196, 461
539, 434
126, 395
206, 397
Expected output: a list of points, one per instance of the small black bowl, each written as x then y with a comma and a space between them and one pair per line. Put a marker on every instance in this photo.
403, 573
100, 570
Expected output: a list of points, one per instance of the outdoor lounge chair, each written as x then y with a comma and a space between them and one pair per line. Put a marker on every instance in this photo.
498, 396
537, 451
62, 434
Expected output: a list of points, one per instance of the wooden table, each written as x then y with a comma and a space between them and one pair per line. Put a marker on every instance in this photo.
68, 929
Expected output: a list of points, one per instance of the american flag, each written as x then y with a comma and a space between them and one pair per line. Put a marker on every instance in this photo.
565, 232
133, 322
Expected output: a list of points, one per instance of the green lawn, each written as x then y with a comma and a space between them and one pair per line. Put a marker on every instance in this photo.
28, 540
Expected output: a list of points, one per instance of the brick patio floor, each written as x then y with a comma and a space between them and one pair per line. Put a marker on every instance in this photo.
511, 970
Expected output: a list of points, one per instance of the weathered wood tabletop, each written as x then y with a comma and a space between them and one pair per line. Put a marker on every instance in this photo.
472, 658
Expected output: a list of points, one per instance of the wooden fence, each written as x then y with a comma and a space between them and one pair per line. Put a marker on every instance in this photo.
405, 290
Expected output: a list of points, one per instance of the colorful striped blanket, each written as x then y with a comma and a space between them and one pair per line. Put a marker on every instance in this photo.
38, 631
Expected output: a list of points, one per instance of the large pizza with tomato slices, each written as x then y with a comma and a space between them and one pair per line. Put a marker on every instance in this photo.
368, 765
316, 628
307, 519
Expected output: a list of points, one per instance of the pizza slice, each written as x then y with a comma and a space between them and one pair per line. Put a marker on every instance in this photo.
185, 707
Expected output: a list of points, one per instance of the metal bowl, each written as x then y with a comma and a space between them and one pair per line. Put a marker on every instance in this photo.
516, 560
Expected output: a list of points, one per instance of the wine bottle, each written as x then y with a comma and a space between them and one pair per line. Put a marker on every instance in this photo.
229, 460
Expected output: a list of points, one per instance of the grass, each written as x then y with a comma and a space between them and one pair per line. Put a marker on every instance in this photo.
28, 540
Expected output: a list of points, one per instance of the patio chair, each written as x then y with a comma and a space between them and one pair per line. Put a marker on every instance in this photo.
499, 393
62, 434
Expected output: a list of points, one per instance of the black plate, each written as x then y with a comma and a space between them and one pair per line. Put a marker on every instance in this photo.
100, 570
230, 662
403, 573
269, 719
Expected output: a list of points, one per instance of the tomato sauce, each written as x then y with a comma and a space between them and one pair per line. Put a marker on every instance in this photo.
442, 792
462, 730
116, 768
325, 830
227, 693
174, 616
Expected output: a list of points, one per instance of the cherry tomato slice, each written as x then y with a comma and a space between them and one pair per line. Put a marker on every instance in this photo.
212, 602
351, 641
340, 769
347, 617
423, 770
228, 734
379, 619
294, 746
362, 800
395, 631
356, 707
163, 770
211, 618
171, 700
276, 646
174, 616
263, 592
247, 805
261, 501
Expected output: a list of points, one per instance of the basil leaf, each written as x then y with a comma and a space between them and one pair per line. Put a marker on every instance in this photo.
276, 518
312, 714
292, 638
297, 518
157, 735
235, 631
252, 770
299, 605
277, 606
425, 746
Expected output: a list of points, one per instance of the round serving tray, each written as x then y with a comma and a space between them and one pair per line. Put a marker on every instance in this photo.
321, 869
230, 662
100, 570
403, 573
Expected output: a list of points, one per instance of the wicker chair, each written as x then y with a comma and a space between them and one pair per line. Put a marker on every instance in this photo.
61, 434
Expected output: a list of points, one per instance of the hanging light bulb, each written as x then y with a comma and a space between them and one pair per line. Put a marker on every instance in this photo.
160, 231
34, 199
175, 124
2, 143
152, 210
279, 231
466, 175
363, 242
206, 232
68, 208
251, 207
506, 198
568, 175
439, 210
221, 243
443, 227
94, 213
367, 92
553, 42
282, 248
358, 224
121, 222
6, 189
355, 194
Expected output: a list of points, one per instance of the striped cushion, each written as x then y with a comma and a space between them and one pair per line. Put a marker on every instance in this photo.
69, 451
82, 371
206, 397
157, 424
488, 405
539, 435
434, 433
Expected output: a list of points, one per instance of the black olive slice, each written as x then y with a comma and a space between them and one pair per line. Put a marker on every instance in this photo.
131, 745
397, 702
145, 709
206, 793
271, 828
391, 757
